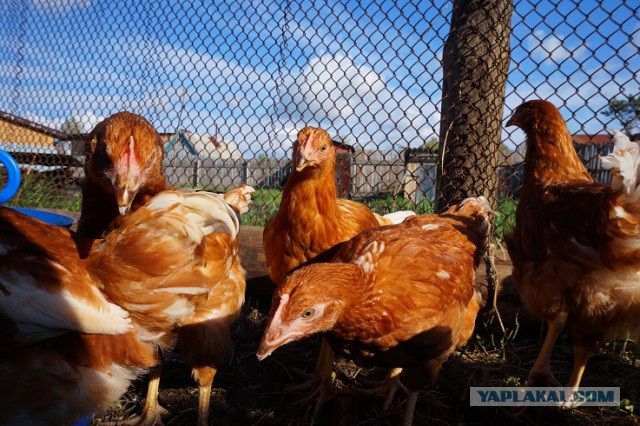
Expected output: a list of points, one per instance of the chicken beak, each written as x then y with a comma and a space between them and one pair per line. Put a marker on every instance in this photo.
124, 198
513, 121
302, 163
264, 350
306, 154
276, 334
274, 338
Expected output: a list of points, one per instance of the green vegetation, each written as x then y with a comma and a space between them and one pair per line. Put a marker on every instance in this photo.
264, 205
505, 218
266, 201
41, 192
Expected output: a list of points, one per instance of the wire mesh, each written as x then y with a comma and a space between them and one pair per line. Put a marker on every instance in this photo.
228, 84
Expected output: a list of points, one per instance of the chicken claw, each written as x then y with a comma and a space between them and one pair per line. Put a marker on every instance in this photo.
152, 411
386, 388
240, 198
542, 377
320, 382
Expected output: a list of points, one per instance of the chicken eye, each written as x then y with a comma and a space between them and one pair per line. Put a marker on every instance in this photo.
309, 313
324, 148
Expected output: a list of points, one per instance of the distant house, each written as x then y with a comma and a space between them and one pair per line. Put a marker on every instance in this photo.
18, 130
38, 147
183, 144
201, 160
590, 148
419, 182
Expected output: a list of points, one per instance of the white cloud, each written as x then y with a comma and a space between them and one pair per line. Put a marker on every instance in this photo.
88, 120
552, 48
59, 5
355, 100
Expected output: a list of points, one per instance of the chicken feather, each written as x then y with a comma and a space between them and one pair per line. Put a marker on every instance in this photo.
576, 244
70, 332
395, 296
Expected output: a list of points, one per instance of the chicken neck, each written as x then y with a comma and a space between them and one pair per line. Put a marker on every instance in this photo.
551, 156
313, 184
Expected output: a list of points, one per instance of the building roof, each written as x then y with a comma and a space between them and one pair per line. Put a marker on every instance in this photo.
182, 138
37, 127
344, 146
599, 139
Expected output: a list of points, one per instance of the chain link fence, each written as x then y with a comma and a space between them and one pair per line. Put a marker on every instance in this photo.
228, 85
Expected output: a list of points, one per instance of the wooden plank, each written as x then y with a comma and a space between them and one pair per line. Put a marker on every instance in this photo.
252, 257
252, 251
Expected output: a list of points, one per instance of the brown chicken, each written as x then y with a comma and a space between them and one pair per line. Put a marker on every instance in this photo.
124, 169
399, 296
575, 247
77, 331
310, 221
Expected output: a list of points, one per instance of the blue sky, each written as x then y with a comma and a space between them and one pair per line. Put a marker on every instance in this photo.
255, 72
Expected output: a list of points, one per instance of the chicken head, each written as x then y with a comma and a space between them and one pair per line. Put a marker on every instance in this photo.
313, 147
124, 153
308, 311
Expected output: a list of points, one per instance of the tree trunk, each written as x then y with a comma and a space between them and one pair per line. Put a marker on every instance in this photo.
476, 61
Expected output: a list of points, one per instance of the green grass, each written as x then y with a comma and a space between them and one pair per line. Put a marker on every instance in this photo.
392, 204
505, 218
266, 202
39, 192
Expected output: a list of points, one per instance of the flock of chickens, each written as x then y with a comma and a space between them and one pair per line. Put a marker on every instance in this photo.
152, 268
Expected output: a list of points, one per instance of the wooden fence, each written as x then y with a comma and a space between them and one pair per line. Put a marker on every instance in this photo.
367, 178
220, 174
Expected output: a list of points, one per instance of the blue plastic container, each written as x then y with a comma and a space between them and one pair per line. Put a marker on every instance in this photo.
13, 184
13, 177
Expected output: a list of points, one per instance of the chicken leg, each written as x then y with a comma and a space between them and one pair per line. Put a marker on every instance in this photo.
580, 356
204, 378
430, 371
540, 374
152, 411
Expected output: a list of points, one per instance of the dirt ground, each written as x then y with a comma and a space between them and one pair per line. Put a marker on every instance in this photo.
249, 392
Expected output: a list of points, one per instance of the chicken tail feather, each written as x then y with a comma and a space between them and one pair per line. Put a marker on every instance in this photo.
207, 210
624, 163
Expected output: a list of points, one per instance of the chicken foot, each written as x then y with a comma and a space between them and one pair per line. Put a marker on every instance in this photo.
320, 381
411, 408
580, 356
152, 411
431, 370
386, 388
540, 374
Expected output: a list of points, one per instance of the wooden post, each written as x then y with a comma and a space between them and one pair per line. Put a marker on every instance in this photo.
195, 179
410, 185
